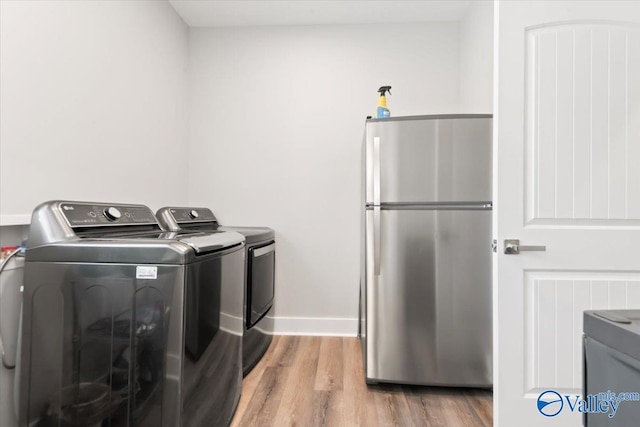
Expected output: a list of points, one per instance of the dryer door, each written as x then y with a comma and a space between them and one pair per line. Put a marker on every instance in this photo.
260, 281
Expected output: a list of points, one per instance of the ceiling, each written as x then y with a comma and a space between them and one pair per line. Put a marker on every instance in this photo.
236, 13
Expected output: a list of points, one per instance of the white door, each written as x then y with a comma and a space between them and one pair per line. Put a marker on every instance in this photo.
568, 178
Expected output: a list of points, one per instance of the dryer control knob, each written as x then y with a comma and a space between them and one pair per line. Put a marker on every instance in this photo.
112, 213
194, 213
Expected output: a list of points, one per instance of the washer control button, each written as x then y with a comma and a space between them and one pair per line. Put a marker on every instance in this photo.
194, 214
112, 213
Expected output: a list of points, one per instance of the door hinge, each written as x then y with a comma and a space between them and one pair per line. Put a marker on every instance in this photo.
494, 245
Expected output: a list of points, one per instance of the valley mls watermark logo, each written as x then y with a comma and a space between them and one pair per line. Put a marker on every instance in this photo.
551, 403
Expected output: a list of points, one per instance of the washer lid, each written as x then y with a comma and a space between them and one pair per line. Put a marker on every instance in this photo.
209, 242
252, 234
618, 329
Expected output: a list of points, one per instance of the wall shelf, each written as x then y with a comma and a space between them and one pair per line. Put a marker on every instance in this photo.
24, 219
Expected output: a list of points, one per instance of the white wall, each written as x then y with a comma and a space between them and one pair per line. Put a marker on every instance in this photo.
476, 58
93, 103
276, 130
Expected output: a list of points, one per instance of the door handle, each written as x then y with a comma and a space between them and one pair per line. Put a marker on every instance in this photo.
513, 247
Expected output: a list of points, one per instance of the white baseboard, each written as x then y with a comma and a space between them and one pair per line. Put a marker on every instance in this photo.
322, 326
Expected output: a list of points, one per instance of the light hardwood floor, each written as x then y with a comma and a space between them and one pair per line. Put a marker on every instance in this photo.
318, 381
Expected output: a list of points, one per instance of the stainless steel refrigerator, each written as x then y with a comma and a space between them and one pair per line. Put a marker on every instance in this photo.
425, 296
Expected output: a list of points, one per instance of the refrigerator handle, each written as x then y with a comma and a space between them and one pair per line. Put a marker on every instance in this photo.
376, 206
376, 171
376, 240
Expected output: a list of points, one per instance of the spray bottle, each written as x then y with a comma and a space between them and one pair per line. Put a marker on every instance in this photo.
383, 111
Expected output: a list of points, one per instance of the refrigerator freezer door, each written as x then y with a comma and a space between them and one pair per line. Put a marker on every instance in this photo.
428, 160
428, 312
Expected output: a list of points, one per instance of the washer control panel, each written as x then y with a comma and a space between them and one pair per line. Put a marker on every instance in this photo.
192, 214
85, 215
